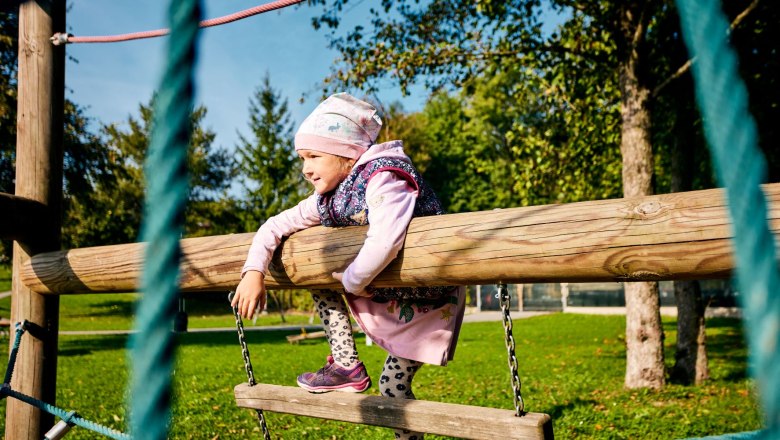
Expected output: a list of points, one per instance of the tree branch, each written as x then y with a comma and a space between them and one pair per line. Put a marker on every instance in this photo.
687, 66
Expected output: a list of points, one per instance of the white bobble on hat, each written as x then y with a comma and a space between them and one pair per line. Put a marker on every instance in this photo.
341, 125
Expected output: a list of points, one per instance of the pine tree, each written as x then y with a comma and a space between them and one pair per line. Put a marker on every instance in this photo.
267, 162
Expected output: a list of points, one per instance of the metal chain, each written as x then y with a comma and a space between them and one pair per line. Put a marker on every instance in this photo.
504, 300
250, 375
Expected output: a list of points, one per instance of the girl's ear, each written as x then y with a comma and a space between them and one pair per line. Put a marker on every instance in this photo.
347, 164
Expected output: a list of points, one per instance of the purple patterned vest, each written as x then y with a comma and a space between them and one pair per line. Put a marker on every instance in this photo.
347, 206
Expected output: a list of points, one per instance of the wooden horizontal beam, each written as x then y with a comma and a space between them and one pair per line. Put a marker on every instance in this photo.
664, 237
450, 419
23, 219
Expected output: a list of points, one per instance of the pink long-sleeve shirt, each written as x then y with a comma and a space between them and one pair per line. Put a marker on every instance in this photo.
391, 211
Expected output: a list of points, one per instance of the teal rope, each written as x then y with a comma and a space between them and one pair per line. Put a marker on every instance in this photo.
168, 187
9, 372
741, 168
750, 435
69, 417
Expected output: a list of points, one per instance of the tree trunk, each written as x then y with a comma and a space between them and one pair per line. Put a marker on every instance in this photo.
690, 360
691, 364
644, 334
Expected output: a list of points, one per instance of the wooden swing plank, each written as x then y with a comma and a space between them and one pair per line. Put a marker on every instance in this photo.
450, 419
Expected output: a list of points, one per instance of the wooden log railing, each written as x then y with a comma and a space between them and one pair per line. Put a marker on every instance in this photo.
671, 236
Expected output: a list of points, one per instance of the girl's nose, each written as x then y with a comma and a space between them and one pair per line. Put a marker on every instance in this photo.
306, 168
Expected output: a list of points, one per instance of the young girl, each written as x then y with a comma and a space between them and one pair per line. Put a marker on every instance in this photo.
357, 182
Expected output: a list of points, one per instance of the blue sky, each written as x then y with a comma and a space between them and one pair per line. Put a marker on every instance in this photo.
112, 79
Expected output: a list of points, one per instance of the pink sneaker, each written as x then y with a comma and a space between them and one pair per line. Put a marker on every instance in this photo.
331, 377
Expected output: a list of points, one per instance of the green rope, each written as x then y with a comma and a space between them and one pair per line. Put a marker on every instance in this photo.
741, 168
749, 435
166, 175
69, 417
9, 372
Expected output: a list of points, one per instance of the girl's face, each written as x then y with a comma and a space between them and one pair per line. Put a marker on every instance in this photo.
324, 171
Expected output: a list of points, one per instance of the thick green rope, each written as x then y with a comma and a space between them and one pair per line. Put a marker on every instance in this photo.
68, 416
166, 175
741, 168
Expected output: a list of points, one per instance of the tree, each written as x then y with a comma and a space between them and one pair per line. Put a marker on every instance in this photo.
682, 165
598, 46
85, 158
506, 139
467, 173
451, 42
110, 212
685, 164
9, 32
268, 163
268, 166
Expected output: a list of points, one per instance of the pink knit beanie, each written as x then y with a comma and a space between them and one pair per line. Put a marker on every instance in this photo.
341, 125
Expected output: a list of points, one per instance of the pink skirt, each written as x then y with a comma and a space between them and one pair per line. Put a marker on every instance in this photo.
408, 330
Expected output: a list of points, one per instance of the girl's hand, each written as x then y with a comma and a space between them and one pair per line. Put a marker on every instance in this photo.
250, 294
339, 276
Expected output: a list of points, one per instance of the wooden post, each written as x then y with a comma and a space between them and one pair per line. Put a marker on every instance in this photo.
39, 161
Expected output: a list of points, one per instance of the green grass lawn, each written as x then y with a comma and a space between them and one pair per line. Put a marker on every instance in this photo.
571, 367
5, 278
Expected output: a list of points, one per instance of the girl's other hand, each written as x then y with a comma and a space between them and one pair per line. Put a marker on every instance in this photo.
250, 294
339, 276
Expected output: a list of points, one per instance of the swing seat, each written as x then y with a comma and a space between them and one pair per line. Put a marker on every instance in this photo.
448, 419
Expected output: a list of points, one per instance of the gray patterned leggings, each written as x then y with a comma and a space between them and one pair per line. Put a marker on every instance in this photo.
397, 373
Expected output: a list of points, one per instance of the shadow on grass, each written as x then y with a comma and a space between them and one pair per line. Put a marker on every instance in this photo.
735, 323
558, 411
81, 346
725, 341
114, 308
100, 309
231, 338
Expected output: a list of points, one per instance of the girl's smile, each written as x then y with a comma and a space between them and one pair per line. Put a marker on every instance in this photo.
324, 171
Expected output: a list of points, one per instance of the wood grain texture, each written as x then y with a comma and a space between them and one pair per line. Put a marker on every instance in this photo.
462, 421
672, 236
39, 159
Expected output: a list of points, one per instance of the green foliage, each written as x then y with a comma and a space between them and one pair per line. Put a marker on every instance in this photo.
9, 31
103, 178
467, 174
268, 163
531, 107
110, 211
571, 367
569, 81
510, 138
756, 40
5, 278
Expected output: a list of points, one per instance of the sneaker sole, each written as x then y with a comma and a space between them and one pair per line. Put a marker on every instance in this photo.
351, 388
